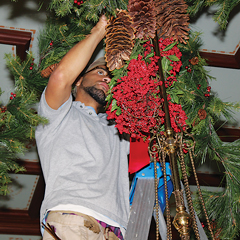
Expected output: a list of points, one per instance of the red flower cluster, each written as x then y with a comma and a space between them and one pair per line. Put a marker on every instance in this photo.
138, 96
176, 65
178, 117
148, 48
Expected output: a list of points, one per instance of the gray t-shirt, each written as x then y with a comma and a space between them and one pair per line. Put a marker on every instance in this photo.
84, 161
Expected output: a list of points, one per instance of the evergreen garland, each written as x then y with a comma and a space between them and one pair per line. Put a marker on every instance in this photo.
68, 23
18, 119
222, 13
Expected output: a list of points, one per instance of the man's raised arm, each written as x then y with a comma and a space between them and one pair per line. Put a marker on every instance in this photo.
61, 80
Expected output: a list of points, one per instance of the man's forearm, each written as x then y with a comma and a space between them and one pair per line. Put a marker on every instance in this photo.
77, 58
73, 63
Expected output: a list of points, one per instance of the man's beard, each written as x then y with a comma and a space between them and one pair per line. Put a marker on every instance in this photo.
97, 94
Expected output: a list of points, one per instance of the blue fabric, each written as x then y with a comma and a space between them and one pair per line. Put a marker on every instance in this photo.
148, 172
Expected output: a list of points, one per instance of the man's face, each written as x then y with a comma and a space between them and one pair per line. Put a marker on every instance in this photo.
95, 83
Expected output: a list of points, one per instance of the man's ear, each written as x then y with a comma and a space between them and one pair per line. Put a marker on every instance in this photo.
79, 81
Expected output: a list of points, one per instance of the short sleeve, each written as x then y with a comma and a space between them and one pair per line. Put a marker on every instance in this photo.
54, 116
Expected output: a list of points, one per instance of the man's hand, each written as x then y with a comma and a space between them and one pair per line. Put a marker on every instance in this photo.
100, 27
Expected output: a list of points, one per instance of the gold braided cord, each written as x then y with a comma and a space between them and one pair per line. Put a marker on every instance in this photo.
162, 158
200, 193
153, 149
156, 197
156, 149
167, 209
188, 192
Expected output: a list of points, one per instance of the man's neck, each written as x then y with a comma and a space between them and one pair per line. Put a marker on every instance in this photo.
90, 102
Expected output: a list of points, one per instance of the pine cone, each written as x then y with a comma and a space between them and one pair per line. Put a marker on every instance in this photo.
194, 61
119, 40
172, 19
144, 18
45, 73
202, 114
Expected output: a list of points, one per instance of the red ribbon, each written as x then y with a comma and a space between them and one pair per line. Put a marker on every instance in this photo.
139, 156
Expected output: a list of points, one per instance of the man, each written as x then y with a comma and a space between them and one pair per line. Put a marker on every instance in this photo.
83, 159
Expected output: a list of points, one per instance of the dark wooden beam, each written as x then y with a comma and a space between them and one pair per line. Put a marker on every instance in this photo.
211, 180
222, 60
228, 134
18, 222
34, 208
32, 168
21, 39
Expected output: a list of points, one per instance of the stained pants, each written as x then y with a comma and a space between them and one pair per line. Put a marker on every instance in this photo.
67, 226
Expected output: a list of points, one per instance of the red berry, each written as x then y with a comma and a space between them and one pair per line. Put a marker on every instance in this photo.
31, 68
14, 95
185, 150
209, 90
11, 98
133, 135
78, 3
189, 70
81, 2
186, 67
50, 43
75, 1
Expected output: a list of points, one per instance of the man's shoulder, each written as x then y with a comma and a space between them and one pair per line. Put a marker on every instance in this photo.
103, 117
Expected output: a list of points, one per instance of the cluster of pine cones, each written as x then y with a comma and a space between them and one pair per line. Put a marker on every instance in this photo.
143, 18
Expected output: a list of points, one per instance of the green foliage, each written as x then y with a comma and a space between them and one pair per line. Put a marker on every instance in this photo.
7, 164
18, 118
222, 13
57, 38
223, 206
89, 10
189, 91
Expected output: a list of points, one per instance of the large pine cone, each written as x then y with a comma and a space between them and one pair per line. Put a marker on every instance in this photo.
45, 73
144, 19
119, 40
172, 19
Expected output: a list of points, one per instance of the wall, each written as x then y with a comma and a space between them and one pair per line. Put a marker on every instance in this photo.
226, 41
24, 16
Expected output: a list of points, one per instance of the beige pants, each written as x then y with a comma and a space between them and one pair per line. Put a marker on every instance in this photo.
75, 227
